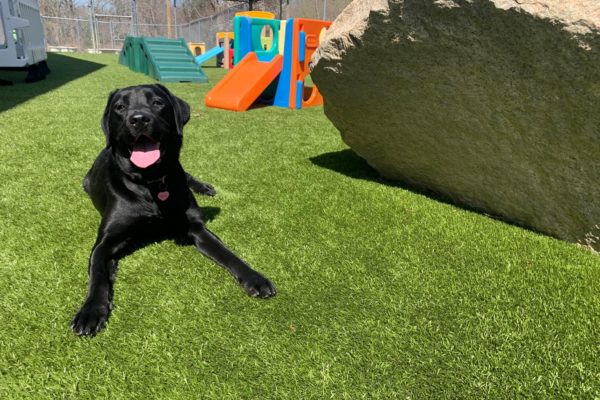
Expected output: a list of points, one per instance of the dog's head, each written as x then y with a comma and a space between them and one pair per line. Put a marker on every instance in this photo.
144, 124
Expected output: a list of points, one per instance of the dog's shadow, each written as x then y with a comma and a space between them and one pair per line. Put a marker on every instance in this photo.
210, 213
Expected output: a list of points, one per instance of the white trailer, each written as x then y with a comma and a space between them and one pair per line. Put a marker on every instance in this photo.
22, 41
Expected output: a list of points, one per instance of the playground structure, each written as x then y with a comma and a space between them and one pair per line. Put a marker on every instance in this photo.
221, 48
224, 41
166, 60
197, 49
271, 59
214, 52
276, 75
266, 35
22, 42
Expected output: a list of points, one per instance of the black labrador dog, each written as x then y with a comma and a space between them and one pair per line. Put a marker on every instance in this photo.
143, 195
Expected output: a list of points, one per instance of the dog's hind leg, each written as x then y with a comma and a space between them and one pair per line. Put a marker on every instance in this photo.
200, 187
212, 247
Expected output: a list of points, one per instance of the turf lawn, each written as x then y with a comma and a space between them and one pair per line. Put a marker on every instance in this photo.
382, 292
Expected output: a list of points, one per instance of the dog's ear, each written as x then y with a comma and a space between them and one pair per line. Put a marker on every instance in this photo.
180, 107
105, 117
182, 113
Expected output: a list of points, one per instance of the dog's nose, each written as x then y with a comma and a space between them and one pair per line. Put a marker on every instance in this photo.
139, 119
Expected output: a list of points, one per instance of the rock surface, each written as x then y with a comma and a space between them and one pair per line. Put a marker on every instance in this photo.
493, 103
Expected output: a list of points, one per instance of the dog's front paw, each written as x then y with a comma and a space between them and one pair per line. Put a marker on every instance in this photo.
90, 319
257, 285
203, 188
208, 190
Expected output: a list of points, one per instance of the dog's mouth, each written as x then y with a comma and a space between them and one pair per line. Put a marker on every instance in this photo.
145, 152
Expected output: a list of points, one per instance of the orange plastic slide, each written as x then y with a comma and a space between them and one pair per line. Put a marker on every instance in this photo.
244, 83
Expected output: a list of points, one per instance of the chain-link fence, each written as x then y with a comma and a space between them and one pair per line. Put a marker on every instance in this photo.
107, 32
111, 30
205, 29
68, 33
315, 9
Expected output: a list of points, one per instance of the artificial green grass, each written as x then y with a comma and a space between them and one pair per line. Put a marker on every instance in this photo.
382, 292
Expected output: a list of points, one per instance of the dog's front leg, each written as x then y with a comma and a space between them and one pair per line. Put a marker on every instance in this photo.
94, 312
211, 246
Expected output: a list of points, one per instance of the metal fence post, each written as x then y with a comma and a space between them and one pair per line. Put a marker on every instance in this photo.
92, 25
134, 19
175, 17
112, 34
80, 44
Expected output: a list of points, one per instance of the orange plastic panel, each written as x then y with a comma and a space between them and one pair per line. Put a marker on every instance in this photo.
312, 41
244, 83
300, 69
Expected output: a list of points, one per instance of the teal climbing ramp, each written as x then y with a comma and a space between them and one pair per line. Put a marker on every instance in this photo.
166, 60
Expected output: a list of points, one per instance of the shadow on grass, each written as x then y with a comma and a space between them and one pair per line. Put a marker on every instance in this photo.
64, 69
210, 213
347, 162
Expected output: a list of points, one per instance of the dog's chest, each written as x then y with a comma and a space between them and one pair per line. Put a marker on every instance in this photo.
160, 203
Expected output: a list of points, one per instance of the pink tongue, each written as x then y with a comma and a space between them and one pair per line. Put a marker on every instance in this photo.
145, 153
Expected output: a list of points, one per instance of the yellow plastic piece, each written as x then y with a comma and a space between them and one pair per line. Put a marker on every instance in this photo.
221, 35
256, 14
282, 25
197, 48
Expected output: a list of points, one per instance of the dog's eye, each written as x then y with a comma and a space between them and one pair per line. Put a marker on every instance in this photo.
120, 107
157, 103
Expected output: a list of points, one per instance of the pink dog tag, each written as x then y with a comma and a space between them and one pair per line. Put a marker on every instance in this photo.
162, 196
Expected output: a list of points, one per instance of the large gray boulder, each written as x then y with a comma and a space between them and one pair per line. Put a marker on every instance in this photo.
494, 103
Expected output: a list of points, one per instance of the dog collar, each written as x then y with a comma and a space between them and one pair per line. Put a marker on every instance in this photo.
163, 192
